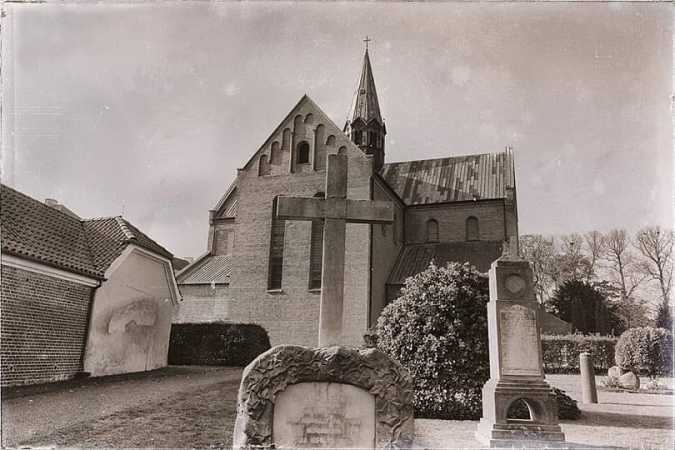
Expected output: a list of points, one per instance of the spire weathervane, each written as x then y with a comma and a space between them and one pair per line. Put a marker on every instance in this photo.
366, 40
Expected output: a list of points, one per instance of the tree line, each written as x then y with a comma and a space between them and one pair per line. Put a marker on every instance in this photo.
604, 282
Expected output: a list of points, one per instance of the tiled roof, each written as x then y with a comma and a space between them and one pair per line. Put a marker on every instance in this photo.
35, 231
416, 258
457, 178
109, 236
216, 269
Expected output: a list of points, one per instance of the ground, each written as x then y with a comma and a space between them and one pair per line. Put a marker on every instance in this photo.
195, 407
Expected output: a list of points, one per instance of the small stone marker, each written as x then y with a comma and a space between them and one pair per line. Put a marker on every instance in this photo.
589, 393
516, 366
334, 397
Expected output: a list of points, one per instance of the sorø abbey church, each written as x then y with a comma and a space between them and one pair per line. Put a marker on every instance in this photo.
259, 269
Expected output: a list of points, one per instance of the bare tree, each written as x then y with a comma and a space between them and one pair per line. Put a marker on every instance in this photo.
656, 247
572, 264
595, 246
624, 268
540, 252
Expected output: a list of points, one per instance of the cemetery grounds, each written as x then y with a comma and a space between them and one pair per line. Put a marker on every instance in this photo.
195, 407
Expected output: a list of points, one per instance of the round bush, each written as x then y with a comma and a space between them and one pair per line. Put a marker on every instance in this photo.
437, 330
647, 350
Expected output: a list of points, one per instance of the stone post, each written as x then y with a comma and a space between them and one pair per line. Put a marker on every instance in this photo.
516, 366
589, 393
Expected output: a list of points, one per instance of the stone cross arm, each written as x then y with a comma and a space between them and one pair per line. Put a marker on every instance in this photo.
354, 211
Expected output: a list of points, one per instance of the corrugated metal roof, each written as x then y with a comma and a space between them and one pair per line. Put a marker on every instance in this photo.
216, 269
416, 258
457, 178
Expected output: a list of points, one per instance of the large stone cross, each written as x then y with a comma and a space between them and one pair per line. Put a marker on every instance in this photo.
336, 210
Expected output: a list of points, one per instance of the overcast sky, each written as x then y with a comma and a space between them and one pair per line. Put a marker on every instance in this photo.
146, 110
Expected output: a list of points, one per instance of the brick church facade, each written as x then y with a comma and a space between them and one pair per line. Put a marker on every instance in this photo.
258, 269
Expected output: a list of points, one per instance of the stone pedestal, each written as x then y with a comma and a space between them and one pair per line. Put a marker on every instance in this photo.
516, 367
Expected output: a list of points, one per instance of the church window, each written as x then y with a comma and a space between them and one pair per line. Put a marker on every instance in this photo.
357, 137
342, 150
372, 138
316, 251
264, 166
330, 140
276, 262
432, 230
472, 230
276, 154
303, 153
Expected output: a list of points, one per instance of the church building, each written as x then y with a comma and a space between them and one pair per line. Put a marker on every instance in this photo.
263, 270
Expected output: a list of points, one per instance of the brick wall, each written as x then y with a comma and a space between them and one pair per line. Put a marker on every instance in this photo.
451, 220
290, 315
202, 303
43, 327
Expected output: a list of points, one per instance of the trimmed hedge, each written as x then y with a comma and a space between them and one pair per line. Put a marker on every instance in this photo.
561, 353
216, 344
646, 350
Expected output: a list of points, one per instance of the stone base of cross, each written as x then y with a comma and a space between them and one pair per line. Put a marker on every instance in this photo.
336, 210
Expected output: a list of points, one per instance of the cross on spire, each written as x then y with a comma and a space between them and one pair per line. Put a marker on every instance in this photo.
366, 40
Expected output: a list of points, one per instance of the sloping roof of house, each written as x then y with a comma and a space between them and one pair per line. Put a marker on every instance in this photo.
206, 270
35, 231
457, 178
109, 236
417, 257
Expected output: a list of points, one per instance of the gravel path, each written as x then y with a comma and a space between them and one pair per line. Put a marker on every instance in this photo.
194, 407
30, 416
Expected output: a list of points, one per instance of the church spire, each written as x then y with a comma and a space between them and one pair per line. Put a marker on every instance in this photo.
365, 125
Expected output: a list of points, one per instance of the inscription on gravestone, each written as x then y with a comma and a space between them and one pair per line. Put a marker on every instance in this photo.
315, 415
519, 350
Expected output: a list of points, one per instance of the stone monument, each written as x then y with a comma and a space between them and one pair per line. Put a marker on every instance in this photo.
516, 366
331, 396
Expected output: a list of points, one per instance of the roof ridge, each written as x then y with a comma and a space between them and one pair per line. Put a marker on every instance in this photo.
443, 157
41, 203
122, 222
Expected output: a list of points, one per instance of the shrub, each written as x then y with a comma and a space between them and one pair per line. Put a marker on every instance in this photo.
437, 330
216, 344
561, 353
584, 306
647, 350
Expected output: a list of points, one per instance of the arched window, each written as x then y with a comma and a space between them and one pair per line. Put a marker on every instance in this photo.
357, 137
372, 138
316, 251
264, 166
472, 230
432, 230
303, 153
276, 262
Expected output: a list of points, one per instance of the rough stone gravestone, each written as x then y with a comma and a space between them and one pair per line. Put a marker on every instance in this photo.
516, 367
328, 397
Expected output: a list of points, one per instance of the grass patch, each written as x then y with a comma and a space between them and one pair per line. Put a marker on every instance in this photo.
202, 418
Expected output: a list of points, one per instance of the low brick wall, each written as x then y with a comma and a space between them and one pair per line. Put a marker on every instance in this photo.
43, 327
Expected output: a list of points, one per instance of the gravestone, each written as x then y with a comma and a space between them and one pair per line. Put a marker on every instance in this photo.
331, 396
516, 366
